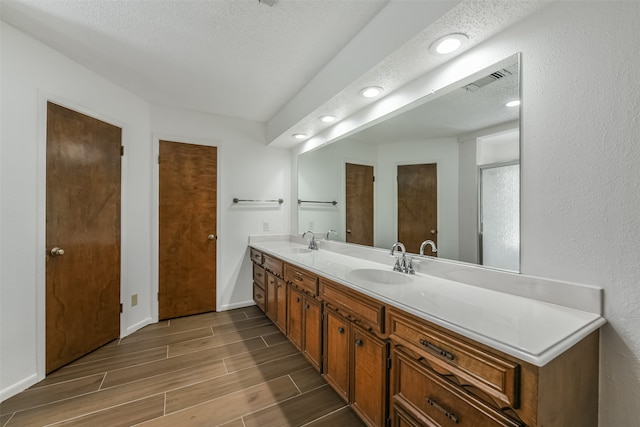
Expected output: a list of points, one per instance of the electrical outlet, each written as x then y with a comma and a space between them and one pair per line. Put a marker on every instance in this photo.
134, 300
265, 226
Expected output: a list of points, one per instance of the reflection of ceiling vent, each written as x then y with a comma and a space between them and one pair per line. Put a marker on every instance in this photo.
487, 79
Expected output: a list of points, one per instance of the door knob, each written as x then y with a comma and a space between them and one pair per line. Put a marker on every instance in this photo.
433, 231
57, 251
211, 237
348, 231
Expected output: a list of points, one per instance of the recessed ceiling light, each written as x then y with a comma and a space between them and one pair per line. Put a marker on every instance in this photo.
448, 44
512, 103
371, 91
300, 135
328, 118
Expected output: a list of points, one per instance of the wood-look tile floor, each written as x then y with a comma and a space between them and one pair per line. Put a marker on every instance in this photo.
231, 368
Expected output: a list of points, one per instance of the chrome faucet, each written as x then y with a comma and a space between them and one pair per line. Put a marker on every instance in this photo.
313, 245
425, 243
330, 232
401, 262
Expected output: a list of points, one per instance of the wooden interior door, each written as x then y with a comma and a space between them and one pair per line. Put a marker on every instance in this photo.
418, 206
82, 235
187, 216
359, 204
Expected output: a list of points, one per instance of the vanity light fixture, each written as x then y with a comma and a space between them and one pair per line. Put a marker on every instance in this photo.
300, 136
328, 118
513, 103
371, 91
448, 44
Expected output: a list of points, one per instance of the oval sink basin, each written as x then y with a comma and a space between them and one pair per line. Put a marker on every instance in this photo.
298, 250
381, 277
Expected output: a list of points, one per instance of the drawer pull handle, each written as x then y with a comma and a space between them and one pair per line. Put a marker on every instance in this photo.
340, 330
298, 278
446, 413
437, 350
359, 343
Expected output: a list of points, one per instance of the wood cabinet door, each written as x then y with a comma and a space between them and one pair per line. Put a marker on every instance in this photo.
312, 343
369, 376
271, 291
281, 304
337, 356
294, 317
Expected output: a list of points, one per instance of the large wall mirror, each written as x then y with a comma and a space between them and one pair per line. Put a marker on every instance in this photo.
447, 169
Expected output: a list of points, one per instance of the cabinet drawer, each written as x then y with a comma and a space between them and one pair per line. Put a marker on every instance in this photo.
491, 374
256, 256
302, 279
430, 397
360, 308
259, 275
258, 296
273, 265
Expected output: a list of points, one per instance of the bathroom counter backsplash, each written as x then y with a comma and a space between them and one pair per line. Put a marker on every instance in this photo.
530, 318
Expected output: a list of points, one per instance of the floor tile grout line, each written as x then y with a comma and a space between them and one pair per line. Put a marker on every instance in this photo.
325, 415
233, 392
281, 401
101, 410
264, 341
7, 422
164, 408
29, 390
294, 384
102, 382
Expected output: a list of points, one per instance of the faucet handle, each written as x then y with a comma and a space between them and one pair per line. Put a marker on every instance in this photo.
410, 269
397, 267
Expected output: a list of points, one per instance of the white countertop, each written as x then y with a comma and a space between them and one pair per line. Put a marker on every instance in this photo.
529, 329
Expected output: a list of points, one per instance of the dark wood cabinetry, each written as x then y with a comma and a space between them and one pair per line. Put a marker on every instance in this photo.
355, 356
397, 369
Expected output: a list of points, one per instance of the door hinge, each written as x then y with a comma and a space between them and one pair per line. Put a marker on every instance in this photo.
121, 308
158, 296
122, 150
158, 159
374, 178
388, 363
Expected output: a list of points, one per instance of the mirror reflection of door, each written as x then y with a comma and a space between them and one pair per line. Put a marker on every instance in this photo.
187, 217
82, 235
500, 216
418, 206
359, 203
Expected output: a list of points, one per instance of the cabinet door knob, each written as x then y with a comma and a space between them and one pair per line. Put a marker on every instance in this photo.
297, 299
308, 306
359, 343
341, 330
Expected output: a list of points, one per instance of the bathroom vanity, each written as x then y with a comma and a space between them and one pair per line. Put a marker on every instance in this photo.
452, 344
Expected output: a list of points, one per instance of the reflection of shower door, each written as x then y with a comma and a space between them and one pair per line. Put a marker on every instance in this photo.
500, 216
359, 204
418, 206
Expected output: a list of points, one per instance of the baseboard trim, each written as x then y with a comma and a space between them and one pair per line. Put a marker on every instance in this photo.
131, 329
242, 304
16, 388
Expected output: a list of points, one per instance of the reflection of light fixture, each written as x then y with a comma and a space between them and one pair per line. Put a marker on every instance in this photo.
371, 91
300, 136
328, 118
449, 43
512, 103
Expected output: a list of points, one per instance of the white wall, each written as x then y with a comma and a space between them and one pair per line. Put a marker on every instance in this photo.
581, 172
247, 169
580, 202
31, 73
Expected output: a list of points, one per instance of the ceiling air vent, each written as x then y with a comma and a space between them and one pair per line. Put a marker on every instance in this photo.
497, 75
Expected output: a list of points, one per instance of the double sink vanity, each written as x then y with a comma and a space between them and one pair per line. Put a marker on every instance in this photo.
451, 344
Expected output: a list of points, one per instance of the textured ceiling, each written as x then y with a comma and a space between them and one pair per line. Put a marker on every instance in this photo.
243, 59
235, 58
